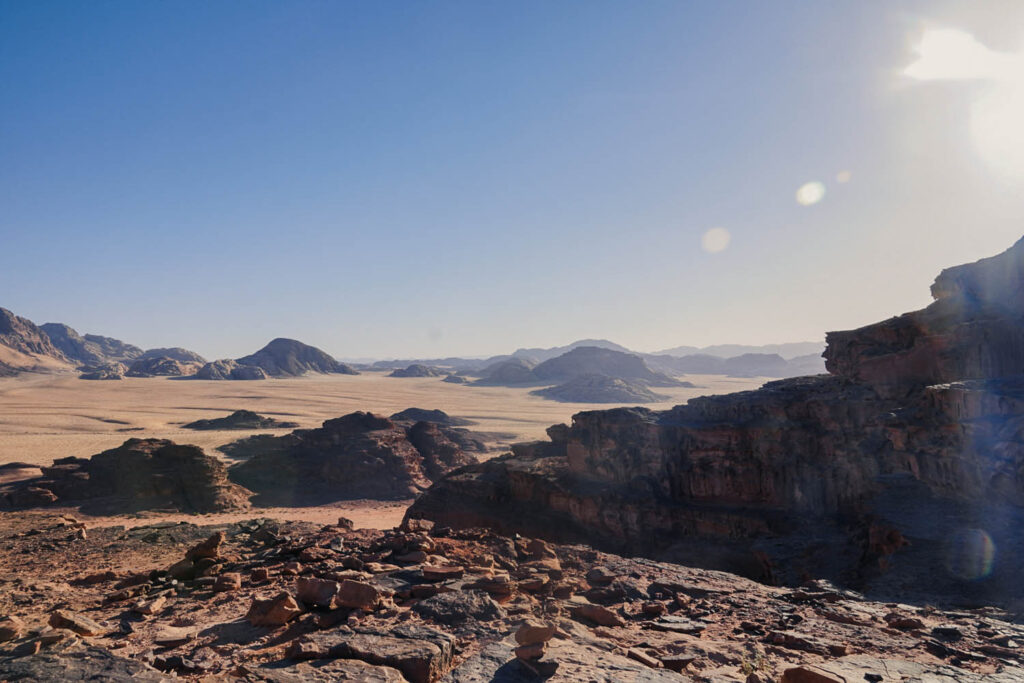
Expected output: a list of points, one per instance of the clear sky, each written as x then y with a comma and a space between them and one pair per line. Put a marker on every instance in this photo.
388, 179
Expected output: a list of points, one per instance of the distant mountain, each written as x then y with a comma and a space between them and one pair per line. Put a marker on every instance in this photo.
89, 349
174, 353
541, 355
417, 370
744, 365
601, 389
787, 351
25, 347
291, 358
509, 372
593, 360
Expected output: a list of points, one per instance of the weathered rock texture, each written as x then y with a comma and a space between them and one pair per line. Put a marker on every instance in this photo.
229, 369
601, 389
105, 371
876, 476
141, 474
161, 366
315, 603
417, 370
359, 455
241, 419
25, 347
89, 349
174, 353
290, 358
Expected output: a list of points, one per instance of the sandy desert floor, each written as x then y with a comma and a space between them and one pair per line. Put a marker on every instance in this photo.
43, 417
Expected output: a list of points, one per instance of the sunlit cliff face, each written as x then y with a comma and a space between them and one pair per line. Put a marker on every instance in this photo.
997, 111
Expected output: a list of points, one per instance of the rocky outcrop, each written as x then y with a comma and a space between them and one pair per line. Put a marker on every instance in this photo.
161, 366
141, 474
455, 379
290, 358
360, 455
417, 370
902, 479
103, 372
240, 419
89, 349
229, 369
601, 389
972, 331
174, 353
437, 416
25, 347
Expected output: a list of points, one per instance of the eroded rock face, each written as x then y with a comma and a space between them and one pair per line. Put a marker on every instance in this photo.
240, 419
360, 455
161, 366
229, 369
140, 474
89, 349
104, 372
887, 469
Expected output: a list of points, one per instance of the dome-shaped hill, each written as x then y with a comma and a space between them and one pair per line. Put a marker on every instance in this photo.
291, 358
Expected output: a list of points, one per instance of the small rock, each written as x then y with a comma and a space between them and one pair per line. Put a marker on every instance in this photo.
435, 573
346, 523
644, 658
83, 626
11, 628
259, 575
535, 631
229, 581
532, 652
314, 591
208, 548
358, 595
598, 614
275, 611
150, 607
600, 576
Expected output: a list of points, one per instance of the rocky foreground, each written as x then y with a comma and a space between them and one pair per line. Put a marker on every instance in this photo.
267, 601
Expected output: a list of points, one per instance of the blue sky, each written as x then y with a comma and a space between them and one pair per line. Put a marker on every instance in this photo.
414, 179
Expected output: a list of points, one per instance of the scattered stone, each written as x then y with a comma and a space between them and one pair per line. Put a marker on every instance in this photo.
275, 611
534, 631
597, 614
358, 595
83, 626
229, 581
11, 628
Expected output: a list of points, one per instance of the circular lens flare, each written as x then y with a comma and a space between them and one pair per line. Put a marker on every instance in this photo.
715, 240
810, 193
971, 554
843, 177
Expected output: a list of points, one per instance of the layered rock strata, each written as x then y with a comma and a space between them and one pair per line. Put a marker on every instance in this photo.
907, 463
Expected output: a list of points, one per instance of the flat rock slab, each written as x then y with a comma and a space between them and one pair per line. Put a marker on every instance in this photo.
326, 670
576, 662
90, 664
421, 654
856, 667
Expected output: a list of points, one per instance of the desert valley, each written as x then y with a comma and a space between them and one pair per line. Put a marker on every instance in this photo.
451, 520
512, 342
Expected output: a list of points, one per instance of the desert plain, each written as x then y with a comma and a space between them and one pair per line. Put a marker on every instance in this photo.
48, 416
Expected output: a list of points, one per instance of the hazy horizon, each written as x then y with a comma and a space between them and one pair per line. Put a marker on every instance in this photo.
402, 181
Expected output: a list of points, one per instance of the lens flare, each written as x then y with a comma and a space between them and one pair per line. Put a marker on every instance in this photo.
810, 193
843, 177
715, 240
971, 554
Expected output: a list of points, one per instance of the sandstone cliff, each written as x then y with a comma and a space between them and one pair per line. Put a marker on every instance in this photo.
907, 463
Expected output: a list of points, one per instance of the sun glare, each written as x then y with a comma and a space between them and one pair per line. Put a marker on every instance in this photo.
810, 193
715, 240
996, 114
